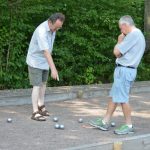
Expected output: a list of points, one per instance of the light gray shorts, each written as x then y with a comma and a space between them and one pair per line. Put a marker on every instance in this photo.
37, 76
123, 80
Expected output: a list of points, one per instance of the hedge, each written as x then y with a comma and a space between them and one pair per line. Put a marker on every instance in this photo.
83, 47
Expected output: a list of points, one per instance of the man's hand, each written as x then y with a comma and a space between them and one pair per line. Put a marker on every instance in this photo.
121, 38
49, 58
116, 50
54, 73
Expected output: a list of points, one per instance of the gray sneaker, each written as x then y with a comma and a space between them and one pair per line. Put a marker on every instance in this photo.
124, 129
99, 124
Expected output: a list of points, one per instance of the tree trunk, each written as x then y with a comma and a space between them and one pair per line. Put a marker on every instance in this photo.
147, 23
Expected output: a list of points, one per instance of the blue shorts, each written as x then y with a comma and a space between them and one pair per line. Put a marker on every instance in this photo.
123, 79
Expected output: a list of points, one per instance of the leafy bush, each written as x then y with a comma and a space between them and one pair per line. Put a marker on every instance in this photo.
83, 48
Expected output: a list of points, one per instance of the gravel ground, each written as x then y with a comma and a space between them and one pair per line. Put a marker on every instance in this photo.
26, 134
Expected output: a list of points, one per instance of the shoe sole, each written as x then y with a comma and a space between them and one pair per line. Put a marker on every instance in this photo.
38, 119
101, 128
131, 132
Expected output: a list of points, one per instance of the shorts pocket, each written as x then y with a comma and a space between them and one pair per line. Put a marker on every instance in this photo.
131, 74
117, 73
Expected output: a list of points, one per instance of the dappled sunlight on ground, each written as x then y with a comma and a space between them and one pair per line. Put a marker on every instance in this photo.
8, 111
135, 96
143, 114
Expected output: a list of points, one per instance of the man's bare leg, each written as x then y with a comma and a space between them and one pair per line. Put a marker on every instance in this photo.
110, 110
41, 105
42, 94
35, 97
126, 108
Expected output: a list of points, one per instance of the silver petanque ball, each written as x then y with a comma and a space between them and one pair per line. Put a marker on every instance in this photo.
9, 120
113, 124
57, 126
62, 127
80, 120
55, 119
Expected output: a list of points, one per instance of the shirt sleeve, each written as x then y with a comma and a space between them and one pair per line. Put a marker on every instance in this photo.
42, 40
127, 44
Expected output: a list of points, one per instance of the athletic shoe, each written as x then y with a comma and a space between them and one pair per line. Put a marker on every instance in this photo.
98, 123
124, 129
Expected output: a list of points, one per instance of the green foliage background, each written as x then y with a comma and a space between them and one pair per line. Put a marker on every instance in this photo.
83, 48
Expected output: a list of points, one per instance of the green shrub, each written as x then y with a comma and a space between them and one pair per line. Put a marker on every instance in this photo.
83, 48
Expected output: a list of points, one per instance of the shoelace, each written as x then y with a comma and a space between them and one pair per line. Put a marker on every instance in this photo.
122, 127
98, 119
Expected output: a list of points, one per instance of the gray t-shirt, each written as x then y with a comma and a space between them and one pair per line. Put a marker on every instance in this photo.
42, 39
132, 49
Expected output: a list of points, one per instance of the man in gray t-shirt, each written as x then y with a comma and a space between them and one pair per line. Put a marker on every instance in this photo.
39, 60
128, 52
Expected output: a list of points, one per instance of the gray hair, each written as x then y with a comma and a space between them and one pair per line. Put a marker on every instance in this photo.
126, 20
57, 16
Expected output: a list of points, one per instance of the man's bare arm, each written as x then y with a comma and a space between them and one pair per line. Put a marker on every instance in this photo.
116, 50
50, 61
